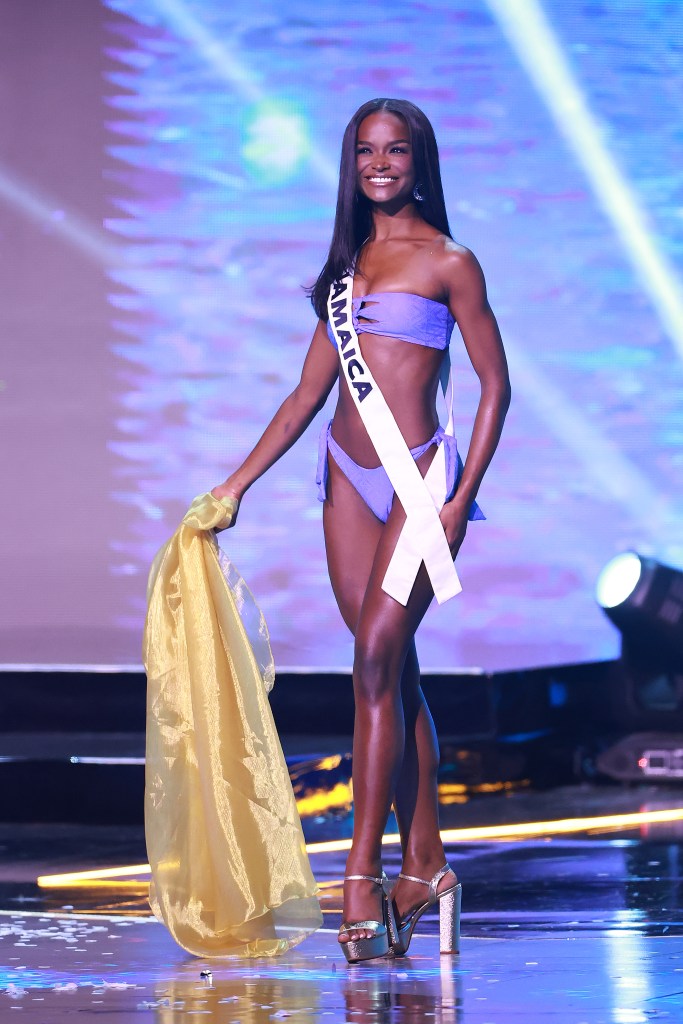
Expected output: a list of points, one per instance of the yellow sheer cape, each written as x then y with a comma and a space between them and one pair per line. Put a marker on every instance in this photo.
230, 873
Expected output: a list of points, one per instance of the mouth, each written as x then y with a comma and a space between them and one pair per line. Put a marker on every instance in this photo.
381, 180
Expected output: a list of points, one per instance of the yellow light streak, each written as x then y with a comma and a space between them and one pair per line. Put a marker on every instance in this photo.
328, 764
562, 826
59, 881
459, 793
340, 796
520, 830
127, 887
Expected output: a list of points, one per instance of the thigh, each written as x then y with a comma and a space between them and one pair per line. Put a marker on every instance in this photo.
352, 533
383, 622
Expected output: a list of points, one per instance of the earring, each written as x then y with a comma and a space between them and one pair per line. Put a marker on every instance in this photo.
416, 192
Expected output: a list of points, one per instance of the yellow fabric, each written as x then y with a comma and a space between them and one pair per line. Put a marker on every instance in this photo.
230, 873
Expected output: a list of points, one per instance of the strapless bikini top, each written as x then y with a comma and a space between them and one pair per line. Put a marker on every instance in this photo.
404, 316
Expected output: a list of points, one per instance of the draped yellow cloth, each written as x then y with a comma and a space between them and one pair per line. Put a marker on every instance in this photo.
230, 873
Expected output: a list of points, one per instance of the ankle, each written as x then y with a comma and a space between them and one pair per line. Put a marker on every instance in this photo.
417, 860
363, 865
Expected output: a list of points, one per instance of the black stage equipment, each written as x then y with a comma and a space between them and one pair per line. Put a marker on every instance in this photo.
644, 599
644, 756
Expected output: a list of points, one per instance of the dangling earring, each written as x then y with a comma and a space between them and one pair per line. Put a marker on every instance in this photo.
416, 192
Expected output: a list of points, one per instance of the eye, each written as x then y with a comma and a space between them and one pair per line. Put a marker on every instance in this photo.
362, 149
399, 149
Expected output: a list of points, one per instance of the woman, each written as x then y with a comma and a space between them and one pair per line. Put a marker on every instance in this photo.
391, 228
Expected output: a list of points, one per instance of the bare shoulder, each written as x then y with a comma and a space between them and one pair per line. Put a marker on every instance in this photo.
458, 263
450, 260
458, 268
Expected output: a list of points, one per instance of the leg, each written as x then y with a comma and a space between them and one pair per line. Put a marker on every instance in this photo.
384, 631
416, 799
358, 550
352, 534
384, 636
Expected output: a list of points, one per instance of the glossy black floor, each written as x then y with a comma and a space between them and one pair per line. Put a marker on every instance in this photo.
585, 927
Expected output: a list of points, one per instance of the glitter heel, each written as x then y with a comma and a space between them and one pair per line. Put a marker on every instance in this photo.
449, 901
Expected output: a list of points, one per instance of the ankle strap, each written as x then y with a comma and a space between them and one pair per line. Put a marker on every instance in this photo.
365, 878
432, 883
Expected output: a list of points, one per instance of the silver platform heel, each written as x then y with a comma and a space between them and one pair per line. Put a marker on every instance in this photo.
450, 901
385, 932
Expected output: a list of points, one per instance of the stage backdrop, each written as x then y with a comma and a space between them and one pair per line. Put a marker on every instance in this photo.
167, 188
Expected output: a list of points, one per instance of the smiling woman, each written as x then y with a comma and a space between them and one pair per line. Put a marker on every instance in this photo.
387, 164
397, 498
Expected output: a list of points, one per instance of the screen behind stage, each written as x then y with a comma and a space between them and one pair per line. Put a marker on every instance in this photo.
167, 187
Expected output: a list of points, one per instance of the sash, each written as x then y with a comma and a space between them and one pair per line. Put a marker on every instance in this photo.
422, 538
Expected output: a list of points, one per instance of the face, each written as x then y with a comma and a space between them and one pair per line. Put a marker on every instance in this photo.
384, 158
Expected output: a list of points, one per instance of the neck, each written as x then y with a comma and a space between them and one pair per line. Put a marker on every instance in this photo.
389, 222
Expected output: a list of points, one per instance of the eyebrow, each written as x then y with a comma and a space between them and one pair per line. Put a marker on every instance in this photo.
363, 142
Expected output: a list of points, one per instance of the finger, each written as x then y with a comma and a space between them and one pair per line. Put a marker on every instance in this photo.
219, 529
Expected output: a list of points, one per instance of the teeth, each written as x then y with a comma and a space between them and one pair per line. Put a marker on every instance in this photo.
379, 181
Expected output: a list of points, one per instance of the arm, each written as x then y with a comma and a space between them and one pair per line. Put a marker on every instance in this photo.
469, 304
319, 373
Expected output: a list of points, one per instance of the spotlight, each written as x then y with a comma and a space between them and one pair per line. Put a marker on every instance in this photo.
644, 600
276, 143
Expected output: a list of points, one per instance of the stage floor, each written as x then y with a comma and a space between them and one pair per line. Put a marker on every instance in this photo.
122, 970
586, 927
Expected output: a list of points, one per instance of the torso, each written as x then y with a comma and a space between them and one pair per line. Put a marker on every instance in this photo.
407, 374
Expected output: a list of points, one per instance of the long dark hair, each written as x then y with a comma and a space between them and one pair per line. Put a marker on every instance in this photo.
353, 218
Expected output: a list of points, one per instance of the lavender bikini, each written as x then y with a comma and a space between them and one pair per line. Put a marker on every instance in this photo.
419, 321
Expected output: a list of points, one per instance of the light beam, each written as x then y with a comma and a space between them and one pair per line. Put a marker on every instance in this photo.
538, 50
50, 213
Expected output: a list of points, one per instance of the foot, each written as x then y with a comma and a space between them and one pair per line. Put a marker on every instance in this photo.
408, 896
362, 902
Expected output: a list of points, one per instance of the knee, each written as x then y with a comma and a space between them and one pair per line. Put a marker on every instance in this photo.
377, 665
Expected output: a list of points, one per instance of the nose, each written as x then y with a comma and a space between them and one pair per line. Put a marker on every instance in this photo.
380, 163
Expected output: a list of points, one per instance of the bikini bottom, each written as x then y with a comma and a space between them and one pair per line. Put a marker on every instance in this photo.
374, 485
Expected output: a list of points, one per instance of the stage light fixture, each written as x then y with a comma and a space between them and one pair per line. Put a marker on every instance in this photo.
644, 690
644, 600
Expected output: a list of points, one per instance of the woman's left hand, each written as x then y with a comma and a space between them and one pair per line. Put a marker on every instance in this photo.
227, 490
454, 521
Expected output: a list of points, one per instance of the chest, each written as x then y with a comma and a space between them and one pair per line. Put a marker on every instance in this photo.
397, 267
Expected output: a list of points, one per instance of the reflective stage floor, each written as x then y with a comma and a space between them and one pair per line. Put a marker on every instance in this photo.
578, 927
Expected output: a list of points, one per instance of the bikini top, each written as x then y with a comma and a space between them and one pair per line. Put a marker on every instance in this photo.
404, 316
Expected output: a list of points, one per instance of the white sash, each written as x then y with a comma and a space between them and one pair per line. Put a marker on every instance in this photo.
422, 538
